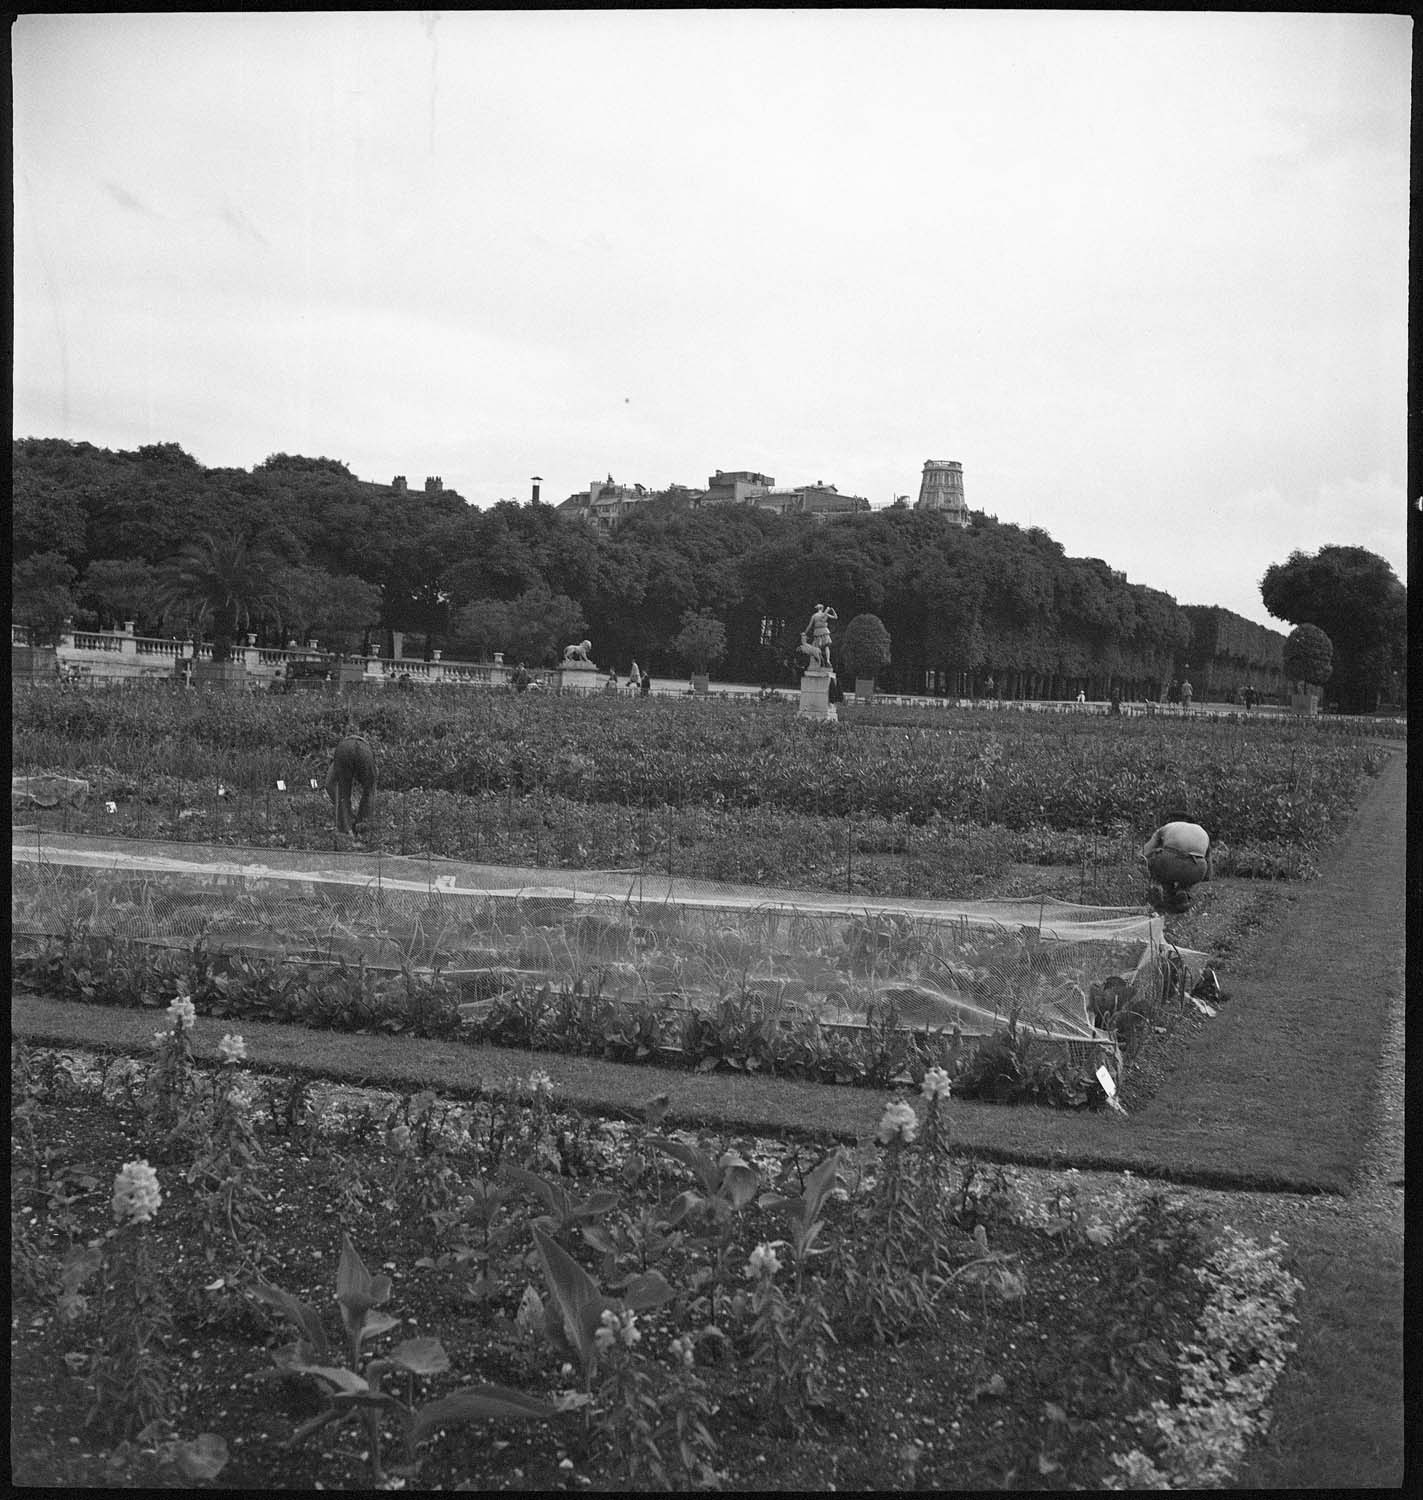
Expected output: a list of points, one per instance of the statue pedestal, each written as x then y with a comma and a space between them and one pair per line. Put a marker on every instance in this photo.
815, 695
579, 677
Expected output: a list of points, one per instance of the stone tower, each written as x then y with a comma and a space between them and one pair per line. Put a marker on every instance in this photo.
941, 489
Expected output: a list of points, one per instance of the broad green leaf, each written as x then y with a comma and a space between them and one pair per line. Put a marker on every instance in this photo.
342, 1379
601, 1201
356, 1289
421, 1356
377, 1322
739, 1183
307, 1322
475, 1404
204, 1457
820, 1182
353, 1281
681, 1206
530, 1316
646, 1291
707, 1171
599, 1239
553, 1199
580, 1302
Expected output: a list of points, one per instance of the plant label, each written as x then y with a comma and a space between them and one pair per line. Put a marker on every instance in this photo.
281, 785
313, 784
1109, 1084
112, 807
222, 791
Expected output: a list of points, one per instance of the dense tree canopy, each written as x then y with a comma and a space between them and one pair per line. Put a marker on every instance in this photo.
222, 583
1309, 655
345, 557
42, 595
865, 648
1354, 596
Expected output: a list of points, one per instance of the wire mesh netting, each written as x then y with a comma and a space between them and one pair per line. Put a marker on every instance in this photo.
634, 935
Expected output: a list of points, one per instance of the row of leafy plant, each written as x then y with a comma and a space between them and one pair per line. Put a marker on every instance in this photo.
1250, 784
755, 1275
743, 1032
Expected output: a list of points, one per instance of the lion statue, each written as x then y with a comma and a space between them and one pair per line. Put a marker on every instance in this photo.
578, 652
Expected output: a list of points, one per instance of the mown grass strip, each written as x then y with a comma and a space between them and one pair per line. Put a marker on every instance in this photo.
1339, 1405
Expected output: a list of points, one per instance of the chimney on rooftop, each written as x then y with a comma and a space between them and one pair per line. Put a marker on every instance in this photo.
536, 481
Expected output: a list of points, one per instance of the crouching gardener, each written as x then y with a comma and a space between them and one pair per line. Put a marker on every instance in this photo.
1178, 856
352, 761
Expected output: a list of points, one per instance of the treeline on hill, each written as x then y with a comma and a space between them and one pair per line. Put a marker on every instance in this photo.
358, 559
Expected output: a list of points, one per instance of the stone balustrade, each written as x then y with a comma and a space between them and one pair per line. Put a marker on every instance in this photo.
121, 653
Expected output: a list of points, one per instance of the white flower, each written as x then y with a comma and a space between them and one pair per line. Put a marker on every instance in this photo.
398, 1139
898, 1120
182, 1014
763, 1260
160, 1038
607, 1331
232, 1049
136, 1196
540, 1083
936, 1084
681, 1352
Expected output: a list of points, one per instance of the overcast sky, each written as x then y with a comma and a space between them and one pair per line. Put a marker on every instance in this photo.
1144, 275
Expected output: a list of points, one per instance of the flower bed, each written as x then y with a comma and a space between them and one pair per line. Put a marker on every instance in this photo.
1256, 783
529, 1298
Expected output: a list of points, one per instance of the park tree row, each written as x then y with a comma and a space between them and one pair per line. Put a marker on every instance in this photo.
316, 552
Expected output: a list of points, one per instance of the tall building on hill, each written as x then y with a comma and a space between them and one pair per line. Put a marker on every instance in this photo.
819, 500
941, 489
739, 485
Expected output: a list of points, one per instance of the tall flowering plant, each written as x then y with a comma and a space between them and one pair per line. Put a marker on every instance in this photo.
172, 1079
226, 1148
885, 1265
788, 1338
935, 1150
130, 1375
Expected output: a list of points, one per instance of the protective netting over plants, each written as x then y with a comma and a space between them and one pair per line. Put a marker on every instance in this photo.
965, 966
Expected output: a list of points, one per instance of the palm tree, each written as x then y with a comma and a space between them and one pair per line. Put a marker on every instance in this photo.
222, 582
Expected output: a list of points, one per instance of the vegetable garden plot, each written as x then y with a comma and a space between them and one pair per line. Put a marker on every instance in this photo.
929, 965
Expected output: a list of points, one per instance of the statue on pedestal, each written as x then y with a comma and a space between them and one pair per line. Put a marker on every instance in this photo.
818, 632
578, 653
